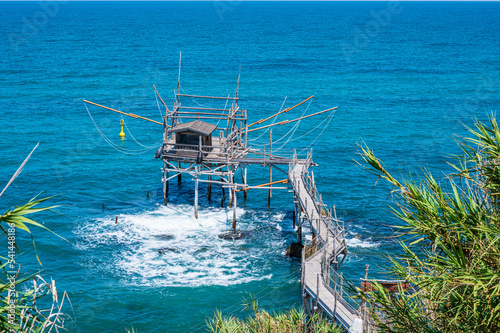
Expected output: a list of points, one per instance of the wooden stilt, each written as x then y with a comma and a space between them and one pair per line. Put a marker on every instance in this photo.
299, 235
223, 191
179, 176
245, 182
165, 184
209, 194
293, 218
231, 193
196, 194
234, 209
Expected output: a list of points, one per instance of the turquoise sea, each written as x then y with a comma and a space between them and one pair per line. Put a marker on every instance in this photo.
405, 77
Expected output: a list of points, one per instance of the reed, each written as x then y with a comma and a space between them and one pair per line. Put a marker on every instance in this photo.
450, 240
28, 303
291, 321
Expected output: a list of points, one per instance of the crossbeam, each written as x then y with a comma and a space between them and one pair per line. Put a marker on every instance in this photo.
283, 181
212, 97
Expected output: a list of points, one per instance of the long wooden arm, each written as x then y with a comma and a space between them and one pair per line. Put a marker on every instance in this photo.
291, 121
127, 114
283, 111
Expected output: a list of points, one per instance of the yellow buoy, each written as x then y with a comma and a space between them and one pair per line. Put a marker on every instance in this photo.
122, 134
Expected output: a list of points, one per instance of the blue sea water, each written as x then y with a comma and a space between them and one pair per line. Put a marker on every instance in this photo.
405, 77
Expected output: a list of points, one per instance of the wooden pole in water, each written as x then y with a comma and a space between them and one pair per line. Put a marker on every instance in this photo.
223, 190
234, 209
165, 184
230, 204
196, 193
209, 188
179, 176
245, 182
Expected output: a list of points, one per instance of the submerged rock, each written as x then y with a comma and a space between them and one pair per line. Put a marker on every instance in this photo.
164, 250
294, 250
231, 235
164, 237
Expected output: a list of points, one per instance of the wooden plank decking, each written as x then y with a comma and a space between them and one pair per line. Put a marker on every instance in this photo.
314, 272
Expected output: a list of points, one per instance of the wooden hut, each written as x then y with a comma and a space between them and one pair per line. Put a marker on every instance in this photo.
193, 134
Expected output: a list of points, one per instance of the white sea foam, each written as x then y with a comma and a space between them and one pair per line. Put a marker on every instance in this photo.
193, 254
357, 242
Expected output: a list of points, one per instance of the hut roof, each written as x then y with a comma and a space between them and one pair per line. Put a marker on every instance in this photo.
196, 126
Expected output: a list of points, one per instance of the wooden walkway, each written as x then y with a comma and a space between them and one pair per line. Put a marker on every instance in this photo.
319, 288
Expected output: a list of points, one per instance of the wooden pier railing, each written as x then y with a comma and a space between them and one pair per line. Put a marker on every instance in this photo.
323, 286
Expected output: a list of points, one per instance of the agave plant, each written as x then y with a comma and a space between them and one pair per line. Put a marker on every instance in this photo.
20, 309
450, 239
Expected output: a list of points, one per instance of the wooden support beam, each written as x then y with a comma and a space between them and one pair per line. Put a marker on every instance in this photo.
245, 182
230, 203
161, 99
283, 181
210, 97
209, 194
223, 190
165, 184
234, 208
179, 175
284, 122
127, 114
196, 194
283, 111
198, 108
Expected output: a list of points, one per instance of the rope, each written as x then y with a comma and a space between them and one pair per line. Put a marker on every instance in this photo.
294, 128
140, 144
113, 145
275, 118
317, 137
159, 109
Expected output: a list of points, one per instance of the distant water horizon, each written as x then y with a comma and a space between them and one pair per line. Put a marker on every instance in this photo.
406, 77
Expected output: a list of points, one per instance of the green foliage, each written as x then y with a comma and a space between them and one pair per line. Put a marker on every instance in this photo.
291, 321
29, 317
19, 218
451, 244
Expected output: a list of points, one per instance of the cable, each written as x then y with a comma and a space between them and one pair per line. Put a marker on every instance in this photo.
317, 137
159, 109
275, 118
140, 144
110, 142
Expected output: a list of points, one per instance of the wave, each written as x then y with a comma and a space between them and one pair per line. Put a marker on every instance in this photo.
167, 246
357, 242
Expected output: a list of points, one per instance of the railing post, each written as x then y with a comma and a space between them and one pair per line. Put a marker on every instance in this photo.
302, 268
317, 291
341, 281
335, 298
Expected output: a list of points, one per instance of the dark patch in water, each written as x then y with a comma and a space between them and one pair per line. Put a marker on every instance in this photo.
164, 237
231, 235
164, 250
